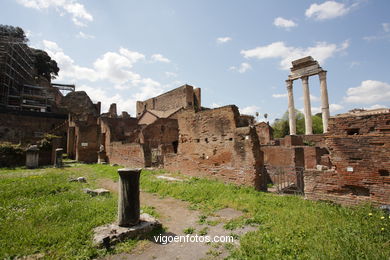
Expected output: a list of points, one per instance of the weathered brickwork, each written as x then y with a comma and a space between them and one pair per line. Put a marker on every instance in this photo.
126, 154
159, 139
359, 151
83, 129
264, 132
182, 97
29, 127
211, 145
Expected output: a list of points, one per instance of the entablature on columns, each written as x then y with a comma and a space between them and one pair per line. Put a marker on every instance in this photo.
304, 67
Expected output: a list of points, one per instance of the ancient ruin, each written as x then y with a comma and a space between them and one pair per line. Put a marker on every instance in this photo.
347, 163
303, 69
131, 223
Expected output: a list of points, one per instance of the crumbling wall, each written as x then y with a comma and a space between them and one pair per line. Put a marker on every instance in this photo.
79, 105
159, 138
264, 132
359, 150
83, 129
26, 127
211, 145
180, 97
126, 154
86, 140
281, 160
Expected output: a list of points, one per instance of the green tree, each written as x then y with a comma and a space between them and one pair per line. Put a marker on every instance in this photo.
281, 126
9, 30
45, 66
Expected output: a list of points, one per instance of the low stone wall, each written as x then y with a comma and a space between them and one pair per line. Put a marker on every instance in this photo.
127, 154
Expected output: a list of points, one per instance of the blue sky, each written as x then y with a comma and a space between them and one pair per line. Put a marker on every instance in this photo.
238, 52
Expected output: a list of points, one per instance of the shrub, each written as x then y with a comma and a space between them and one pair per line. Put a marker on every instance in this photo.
11, 155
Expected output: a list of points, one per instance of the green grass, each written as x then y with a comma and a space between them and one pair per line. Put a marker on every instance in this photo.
41, 212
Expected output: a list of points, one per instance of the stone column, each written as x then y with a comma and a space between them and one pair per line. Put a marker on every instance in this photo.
324, 100
291, 108
32, 157
307, 106
58, 158
128, 201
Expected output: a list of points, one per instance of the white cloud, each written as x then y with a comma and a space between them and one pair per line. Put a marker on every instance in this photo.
335, 107
284, 23
215, 105
68, 69
242, 68
133, 56
77, 11
386, 27
51, 46
327, 10
376, 106
84, 36
160, 58
354, 64
279, 95
115, 67
110, 79
249, 110
380, 36
321, 52
111, 67
221, 40
369, 92
170, 74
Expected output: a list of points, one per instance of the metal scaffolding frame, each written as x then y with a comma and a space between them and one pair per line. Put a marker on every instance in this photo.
16, 70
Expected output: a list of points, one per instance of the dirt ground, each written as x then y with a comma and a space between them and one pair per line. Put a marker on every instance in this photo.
176, 216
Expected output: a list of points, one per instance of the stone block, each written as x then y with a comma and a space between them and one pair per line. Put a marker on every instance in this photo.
108, 235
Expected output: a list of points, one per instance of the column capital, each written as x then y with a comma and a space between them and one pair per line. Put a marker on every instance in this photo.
289, 84
305, 78
322, 74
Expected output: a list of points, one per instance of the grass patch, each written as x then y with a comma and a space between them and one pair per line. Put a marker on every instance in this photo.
41, 212
189, 230
204, 231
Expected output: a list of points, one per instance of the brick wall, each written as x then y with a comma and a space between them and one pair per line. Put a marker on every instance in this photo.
29, 127
180, 97
359, 151
86, 140
280, 160
264, 132
126, 154
211, 145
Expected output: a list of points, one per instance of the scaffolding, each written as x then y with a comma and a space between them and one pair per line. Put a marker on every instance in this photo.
16, 70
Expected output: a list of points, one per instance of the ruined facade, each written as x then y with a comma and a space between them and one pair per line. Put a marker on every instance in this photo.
213, 143
359, 146
183, 97
83, 129
347, 164
303, 69
220, 143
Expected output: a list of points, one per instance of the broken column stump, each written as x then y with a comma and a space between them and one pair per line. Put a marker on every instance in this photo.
128, 201
58, 158
130, 223
32, 157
